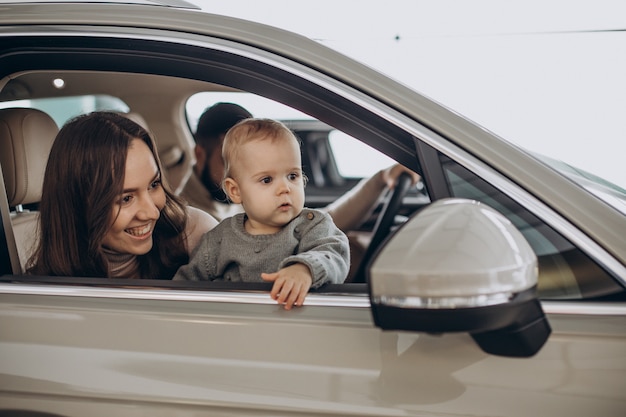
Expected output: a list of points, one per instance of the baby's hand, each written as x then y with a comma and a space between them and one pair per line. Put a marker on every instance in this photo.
291, 285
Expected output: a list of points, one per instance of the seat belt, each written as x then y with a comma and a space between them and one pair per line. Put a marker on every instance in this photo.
9, 258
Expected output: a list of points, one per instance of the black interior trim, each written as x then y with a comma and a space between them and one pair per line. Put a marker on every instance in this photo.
434, 177
6, 263
5, 258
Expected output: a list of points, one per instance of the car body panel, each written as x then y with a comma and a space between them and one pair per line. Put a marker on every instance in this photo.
256, 356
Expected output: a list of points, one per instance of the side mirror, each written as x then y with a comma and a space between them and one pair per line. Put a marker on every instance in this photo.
460, 266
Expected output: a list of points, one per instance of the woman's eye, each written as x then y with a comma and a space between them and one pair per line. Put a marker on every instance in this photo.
155, 184
126, 199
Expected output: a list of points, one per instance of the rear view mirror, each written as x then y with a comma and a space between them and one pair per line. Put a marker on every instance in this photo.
460, 266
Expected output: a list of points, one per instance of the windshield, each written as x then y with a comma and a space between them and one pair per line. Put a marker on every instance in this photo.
601, 188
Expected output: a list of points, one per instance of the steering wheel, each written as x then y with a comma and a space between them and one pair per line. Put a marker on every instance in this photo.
391, 205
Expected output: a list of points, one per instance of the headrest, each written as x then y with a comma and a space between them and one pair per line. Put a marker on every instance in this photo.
137, 118
26, 137
170, 157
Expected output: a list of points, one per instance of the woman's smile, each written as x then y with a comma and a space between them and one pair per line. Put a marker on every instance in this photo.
141, 232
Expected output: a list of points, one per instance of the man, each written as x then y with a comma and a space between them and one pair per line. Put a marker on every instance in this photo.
204, 191
204, 187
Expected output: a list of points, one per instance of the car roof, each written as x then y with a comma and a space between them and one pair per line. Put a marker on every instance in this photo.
165, 3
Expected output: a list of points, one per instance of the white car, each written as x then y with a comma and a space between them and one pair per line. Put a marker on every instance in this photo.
494, 288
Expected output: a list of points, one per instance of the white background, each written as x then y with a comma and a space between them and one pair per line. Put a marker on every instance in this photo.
547, 75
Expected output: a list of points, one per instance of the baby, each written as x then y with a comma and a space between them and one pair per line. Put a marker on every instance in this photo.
276, 239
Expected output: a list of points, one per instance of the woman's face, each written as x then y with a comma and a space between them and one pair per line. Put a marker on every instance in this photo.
138, 207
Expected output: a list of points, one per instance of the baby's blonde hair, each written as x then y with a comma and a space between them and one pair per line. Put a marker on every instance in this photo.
248, 130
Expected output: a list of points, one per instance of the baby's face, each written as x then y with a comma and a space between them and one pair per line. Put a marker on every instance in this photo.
269, 177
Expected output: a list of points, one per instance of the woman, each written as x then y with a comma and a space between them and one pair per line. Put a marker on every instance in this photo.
106, 210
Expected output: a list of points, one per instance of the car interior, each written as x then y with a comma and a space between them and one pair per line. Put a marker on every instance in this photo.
27, 136
31, 100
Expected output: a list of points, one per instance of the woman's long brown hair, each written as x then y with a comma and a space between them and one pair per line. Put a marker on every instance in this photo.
83, 179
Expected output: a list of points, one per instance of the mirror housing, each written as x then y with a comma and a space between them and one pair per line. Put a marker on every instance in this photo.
460, 266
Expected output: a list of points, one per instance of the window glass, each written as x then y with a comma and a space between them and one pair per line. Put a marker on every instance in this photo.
565, 272
354, 158
257, 105
61, 109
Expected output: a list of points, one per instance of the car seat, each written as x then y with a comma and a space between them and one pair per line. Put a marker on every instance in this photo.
172, 158
26, 137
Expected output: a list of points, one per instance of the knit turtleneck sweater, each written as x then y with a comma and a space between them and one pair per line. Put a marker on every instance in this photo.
122, 265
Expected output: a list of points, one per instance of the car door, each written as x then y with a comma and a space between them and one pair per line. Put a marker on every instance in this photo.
73, 346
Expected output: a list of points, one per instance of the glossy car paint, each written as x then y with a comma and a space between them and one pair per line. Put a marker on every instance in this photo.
79, 351
143, 350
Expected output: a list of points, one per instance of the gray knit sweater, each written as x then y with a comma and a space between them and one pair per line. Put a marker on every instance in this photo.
230, 253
